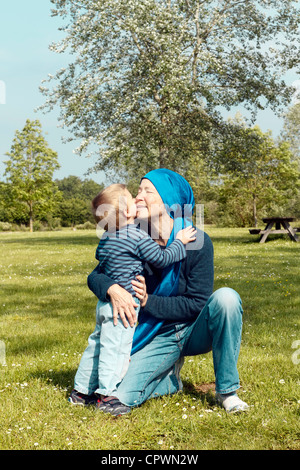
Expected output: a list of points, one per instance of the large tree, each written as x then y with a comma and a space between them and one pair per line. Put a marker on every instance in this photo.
30, 169
150, 77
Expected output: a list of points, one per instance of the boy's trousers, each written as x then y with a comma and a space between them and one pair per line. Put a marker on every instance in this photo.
106, 358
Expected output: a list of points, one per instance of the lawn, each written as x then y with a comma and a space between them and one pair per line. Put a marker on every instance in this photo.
47, 313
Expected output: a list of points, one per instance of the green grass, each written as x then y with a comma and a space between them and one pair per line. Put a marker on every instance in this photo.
47, 313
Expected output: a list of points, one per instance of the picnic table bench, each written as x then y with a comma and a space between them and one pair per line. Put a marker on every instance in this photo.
278, 221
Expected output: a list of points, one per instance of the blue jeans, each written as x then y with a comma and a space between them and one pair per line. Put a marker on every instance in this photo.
106, 358
152, 371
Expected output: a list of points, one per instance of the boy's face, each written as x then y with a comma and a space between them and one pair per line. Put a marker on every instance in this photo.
131, 205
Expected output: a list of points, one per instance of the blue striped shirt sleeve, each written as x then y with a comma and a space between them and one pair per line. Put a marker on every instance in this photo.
149, 251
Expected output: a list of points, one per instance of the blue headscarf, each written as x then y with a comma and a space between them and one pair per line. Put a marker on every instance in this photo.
178, 198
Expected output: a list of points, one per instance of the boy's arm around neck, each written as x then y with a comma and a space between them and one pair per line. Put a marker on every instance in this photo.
195, 287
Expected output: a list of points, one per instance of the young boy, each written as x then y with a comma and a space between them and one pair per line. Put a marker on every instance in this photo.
122, 253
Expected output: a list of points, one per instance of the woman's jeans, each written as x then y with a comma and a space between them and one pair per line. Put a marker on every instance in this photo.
107, 356
154, 370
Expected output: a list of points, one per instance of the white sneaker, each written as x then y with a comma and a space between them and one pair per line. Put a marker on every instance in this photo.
231, 403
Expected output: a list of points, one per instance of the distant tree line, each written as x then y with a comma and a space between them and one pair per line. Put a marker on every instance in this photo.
250, 176
71, 208
75, 206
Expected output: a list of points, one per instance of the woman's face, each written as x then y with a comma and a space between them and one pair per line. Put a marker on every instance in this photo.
148, 201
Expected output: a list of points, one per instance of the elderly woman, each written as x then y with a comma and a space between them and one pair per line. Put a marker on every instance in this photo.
181, 315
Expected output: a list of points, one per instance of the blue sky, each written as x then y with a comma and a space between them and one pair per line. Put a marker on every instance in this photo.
26, 30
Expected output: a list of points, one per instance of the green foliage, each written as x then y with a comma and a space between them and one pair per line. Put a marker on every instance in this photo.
5, 226
149, 77
69, 199
29, 171
75, 206
73, 187
260, 178
291, 129
10, 211
146, 85
86, 226
205, 184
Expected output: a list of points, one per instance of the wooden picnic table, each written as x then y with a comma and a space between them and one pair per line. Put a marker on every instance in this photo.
278, 221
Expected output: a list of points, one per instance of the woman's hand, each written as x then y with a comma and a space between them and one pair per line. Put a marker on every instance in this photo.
123, 305
140, 289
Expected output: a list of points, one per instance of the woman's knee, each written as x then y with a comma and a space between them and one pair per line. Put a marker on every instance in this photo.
227, 299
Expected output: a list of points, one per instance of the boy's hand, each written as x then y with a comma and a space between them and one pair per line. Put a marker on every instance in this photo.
187, 235
140, 288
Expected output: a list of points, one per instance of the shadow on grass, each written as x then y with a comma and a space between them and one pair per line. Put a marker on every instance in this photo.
90, 239
30, 345
250, 241
63, 379
204, 392
48, 303
56, 240
231, 239
246, 238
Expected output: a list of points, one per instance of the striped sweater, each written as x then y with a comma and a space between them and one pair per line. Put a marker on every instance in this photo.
123, 254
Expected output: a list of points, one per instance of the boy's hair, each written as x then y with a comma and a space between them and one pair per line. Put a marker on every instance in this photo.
108, 205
